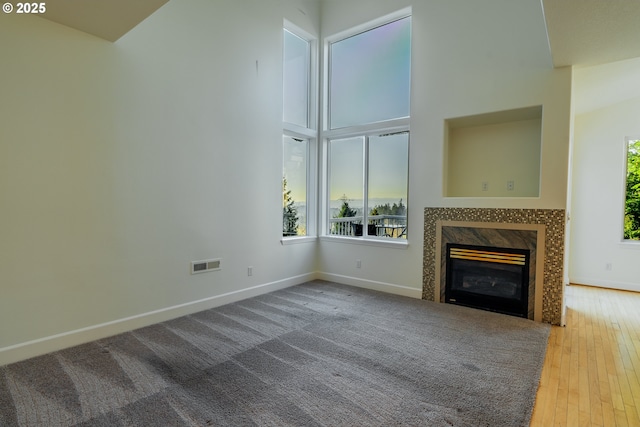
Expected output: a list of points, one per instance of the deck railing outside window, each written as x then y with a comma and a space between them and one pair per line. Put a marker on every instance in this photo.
378, 225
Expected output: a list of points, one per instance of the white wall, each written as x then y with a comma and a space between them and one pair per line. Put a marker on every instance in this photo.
120, 163
494, 154
467, 58
597, 205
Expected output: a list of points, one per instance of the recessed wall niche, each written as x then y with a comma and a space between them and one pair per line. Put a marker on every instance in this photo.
494, 154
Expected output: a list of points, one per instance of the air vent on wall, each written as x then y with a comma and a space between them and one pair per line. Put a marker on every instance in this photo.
205, 265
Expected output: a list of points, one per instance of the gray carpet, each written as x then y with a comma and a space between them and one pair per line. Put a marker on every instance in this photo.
317, 354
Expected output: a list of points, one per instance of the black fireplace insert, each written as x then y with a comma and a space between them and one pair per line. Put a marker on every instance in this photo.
488, 278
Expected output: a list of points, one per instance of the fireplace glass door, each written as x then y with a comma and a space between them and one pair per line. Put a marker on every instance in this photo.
495, 279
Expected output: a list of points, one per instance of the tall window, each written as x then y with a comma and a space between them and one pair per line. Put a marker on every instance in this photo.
294, 186
367, 131
632, 193
296, 74
298, 134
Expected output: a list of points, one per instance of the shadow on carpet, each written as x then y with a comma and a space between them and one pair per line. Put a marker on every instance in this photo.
317, 354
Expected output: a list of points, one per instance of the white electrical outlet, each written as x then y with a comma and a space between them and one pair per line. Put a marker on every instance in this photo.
485, 186
608, 266
358, 263
510, 185
249, 271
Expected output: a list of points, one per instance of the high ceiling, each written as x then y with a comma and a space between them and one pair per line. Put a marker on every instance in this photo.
581, 32
586, 33
592, 32
107, 19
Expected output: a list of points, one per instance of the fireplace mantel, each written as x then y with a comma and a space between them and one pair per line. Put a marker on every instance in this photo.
549, 223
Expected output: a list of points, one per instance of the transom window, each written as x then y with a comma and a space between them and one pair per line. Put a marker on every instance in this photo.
369, 76
296, 74
367, 131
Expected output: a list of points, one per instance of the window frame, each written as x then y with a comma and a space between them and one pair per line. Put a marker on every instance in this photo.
309, 133
391, 126
630, 242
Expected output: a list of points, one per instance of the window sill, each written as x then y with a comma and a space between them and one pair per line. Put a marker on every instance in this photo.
630, 244
297, 240
387, 243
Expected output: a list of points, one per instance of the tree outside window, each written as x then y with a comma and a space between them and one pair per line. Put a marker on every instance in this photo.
367, 130
298, 137
294, 187
632, 193
289, 212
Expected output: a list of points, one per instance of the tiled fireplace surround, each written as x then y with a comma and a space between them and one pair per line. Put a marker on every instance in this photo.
539, 230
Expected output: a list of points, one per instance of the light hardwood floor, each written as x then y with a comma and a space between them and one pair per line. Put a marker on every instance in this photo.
591, 373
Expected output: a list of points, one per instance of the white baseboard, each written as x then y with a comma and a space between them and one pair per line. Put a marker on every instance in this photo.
26, 350
623, 286
371, 284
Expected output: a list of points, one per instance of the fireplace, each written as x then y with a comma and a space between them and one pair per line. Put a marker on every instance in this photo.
541, 231
489, 278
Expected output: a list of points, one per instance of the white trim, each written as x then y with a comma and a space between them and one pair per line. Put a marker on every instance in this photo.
389, 243
297, 30
296, 240
25, 350
369, 25
297, 131
401, 124
609, 284
390, 288
629, 244
456, 199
